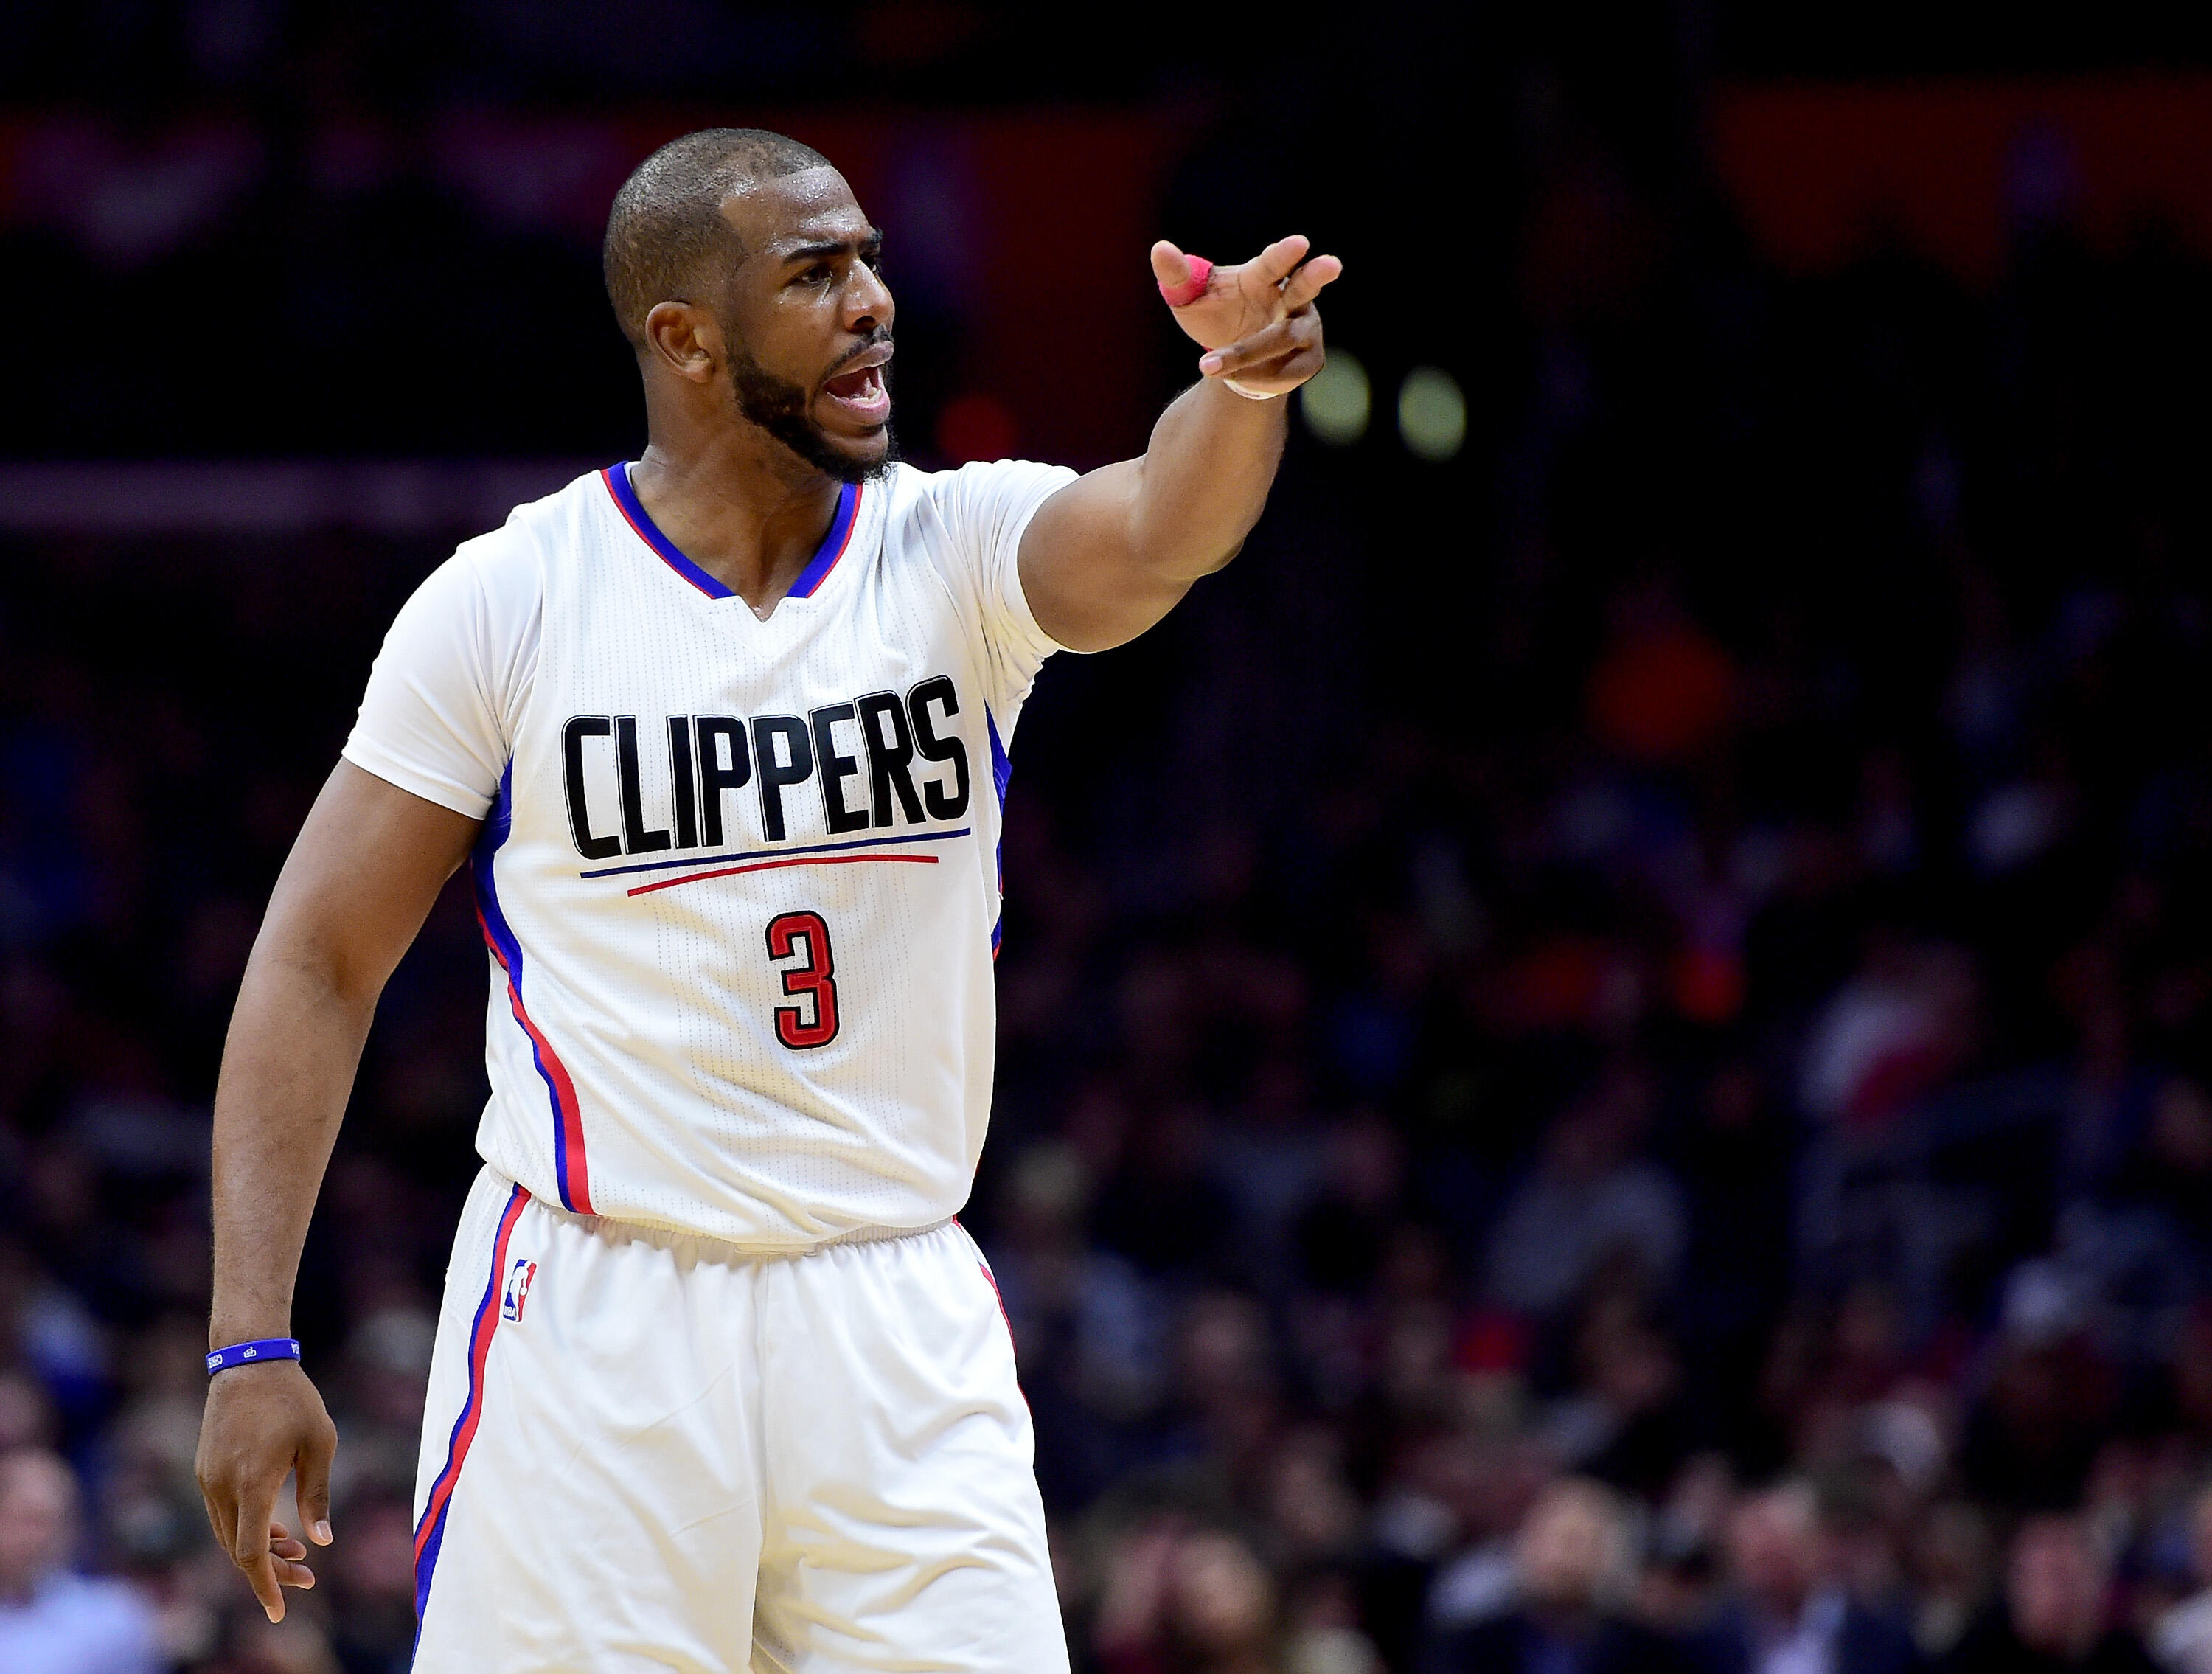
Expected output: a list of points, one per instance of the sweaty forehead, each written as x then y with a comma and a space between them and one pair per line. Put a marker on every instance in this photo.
812, 206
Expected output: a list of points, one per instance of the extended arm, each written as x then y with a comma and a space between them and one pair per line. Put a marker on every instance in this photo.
359, 881
1112, 552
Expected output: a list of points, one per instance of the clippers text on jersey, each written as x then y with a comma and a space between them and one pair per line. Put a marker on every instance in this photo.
878, 760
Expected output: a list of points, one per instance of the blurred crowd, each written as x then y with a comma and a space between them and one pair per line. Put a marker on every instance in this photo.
1603, 1044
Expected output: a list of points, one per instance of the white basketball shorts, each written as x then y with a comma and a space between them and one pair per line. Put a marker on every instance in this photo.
647, 1450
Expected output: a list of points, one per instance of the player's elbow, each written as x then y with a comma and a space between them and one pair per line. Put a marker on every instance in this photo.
314, 965
1176, 564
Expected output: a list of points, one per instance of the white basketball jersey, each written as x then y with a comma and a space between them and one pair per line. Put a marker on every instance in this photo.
738, 878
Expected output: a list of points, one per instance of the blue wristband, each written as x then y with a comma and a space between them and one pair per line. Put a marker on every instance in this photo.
247, 1353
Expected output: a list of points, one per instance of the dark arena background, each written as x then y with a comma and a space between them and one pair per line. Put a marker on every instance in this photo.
1604, 1042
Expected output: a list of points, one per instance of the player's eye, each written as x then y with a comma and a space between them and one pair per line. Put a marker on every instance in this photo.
814, 274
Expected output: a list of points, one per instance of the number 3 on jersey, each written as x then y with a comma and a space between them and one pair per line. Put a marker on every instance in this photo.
803, 936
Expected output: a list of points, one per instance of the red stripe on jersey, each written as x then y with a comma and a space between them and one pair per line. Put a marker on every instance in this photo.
775, 866
569, 1163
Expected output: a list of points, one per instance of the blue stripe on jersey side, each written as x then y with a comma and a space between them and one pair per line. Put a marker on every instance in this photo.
632, 511
1002, 773
1002, 770
496, 828
498, 824
756, 854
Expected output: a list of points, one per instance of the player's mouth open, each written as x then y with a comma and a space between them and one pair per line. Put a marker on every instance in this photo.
861, 393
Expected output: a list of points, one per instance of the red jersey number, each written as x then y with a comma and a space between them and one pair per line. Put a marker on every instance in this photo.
804, 937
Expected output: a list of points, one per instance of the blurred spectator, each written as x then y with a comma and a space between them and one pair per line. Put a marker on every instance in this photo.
1789, 1613
372, 1581
1088, 1336
1163, 1210
1591, 1199
1340, 1235
1502, 1479
2054, 1614
1894, 1031
1951, 1557
2031, 1437
1572, 1568
1186, 1602
2183, 1636
1627, 1421
53, 1621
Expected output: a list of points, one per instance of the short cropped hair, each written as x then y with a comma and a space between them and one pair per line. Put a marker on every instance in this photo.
666, 222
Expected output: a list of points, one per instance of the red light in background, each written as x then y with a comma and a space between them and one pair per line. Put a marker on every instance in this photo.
975, 427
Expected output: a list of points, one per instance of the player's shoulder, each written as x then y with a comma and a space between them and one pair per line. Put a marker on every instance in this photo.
513, 558
980, 489
977, 476
580, 512
498, 580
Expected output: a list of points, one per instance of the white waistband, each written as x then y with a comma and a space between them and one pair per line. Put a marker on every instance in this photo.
653, 1234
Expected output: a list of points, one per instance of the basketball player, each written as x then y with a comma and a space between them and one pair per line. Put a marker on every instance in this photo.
722, 734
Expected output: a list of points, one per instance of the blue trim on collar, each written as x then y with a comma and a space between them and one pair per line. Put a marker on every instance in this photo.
633, 513
833, 544
817, 569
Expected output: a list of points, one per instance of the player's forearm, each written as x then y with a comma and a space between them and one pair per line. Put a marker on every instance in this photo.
1111, 554
1203, 482
288, 1069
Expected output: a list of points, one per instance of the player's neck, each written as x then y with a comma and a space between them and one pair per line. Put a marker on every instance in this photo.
739, 505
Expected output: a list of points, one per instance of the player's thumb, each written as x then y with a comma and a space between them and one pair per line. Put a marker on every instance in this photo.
312, 1470
1181, 278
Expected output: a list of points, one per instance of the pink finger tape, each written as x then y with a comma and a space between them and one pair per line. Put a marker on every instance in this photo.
1191, 289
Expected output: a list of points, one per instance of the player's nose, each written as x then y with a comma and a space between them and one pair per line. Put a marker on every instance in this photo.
868, 305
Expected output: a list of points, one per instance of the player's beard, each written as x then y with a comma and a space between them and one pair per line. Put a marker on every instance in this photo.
779, 407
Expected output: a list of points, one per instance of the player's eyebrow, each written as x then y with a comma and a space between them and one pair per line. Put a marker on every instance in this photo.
866, 243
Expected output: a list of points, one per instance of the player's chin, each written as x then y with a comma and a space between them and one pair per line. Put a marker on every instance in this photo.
854, 455
861, 438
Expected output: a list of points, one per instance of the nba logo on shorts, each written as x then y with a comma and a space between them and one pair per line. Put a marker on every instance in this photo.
518, 1286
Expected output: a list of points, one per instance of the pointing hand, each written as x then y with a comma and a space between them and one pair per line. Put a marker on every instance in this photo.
1256, 320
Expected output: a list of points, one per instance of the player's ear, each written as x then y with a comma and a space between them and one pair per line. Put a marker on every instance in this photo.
685, 338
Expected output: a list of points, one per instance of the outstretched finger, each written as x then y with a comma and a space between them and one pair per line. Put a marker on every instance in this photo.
287, 1558
1305, 284
1268, 343
1276, 263
249, 1549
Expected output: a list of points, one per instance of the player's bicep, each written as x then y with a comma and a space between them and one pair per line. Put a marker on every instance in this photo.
1081, 566
361, 879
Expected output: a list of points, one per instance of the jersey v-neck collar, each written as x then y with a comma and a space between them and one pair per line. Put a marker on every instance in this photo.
617, 476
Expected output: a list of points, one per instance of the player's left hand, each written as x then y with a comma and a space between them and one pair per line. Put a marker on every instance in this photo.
1257, 319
